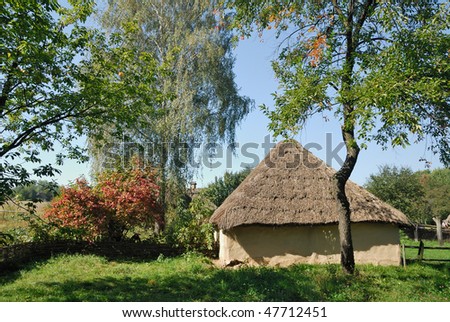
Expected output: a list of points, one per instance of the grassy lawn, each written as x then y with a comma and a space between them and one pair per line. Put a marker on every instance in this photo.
411, 253
193, 278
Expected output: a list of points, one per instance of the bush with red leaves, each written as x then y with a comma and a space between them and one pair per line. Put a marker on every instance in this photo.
120, 200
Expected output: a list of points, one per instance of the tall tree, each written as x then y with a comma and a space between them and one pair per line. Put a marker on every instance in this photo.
436, 185
201, 102
55, 86
381, 66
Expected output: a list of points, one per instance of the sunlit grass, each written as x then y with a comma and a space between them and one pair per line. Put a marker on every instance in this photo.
193, 278
411, 253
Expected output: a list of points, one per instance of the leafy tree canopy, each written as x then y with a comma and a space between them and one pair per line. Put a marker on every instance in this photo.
399, 65
56, 84
420, 195
221, 188
201, 100
437, 191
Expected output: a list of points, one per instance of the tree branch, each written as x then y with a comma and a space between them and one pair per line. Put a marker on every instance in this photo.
29, 133
339, 12
7, 88
368, 6
374, 39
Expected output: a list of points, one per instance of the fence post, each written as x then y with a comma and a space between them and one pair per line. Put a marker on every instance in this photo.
421, 250
403, 255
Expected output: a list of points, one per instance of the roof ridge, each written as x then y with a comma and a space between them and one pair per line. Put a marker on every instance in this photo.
292, 178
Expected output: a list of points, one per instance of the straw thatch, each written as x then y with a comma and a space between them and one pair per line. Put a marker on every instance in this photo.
293, 187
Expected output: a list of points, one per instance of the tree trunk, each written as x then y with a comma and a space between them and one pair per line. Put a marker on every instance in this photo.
163, 192
345, 234
341, 178
348, 135
438, 222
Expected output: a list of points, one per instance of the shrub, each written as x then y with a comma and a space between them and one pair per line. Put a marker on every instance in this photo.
120, 200
78, 213
5, 239
190, 227
133, 197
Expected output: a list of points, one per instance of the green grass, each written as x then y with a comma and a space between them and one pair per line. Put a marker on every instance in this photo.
194, 278
411, 253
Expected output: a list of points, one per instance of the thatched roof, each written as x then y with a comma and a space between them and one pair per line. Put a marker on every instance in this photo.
291, 186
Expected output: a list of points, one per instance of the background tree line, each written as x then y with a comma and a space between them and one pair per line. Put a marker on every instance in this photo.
421, 195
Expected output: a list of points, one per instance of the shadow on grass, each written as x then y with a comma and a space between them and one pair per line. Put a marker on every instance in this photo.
214, 285
201, 282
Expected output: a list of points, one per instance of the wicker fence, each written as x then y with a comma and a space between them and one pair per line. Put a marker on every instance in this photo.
12, 257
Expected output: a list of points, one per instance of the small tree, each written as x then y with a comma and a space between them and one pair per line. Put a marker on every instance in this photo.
190, 227
436, 185
437, 195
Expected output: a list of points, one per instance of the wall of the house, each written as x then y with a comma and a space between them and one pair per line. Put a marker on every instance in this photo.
374, 243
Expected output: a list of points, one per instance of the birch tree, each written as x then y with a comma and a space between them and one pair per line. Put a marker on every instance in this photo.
201, 100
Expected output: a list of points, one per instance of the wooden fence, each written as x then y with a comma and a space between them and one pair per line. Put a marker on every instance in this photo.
15, 256
425, 232
420, 254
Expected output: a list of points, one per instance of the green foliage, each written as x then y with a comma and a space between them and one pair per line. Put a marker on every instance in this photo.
60, 80
40, 190
189, 227
218, 191
37, 82
437, 191
200, 98
193, 278
401, 188
5, 239
381, 67
420, 195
